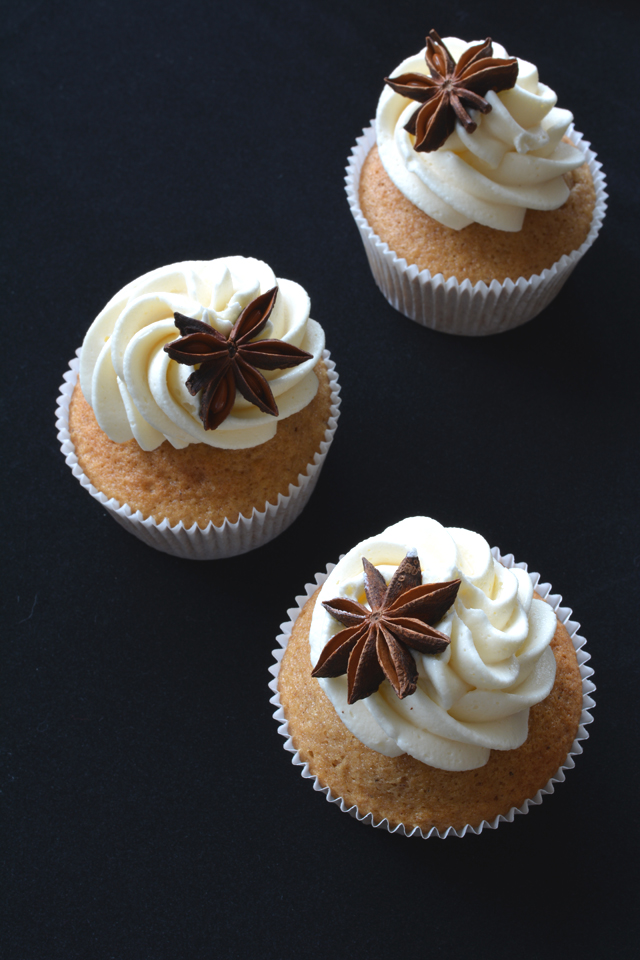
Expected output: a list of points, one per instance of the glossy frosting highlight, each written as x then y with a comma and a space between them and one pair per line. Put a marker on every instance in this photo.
476, 695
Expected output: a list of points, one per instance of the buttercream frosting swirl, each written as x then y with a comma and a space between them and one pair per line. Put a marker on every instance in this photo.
515, 159
137, 391
473, 697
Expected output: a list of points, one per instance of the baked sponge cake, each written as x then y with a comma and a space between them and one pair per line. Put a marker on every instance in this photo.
205, 406
476, 252
427, 686
201, 484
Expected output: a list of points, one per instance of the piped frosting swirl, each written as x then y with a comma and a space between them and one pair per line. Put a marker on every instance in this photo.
137, 391
515, 160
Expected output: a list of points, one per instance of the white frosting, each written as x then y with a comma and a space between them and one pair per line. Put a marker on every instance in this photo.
513, 161
475, 696
136, 390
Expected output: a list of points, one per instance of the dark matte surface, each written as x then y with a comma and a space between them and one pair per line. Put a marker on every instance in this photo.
149, 810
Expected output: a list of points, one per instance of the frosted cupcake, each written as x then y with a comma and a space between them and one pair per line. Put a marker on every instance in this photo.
426, 687
474, 196
205, 406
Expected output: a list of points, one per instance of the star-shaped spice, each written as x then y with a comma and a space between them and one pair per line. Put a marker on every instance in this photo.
374, 645
452, 89
227, 363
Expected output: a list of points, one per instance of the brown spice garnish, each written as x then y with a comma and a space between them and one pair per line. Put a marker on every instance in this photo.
227, 363
452, 89
374, 645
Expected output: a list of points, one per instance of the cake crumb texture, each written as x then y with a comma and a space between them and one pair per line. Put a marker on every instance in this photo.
200, 483
401, 788
476, 252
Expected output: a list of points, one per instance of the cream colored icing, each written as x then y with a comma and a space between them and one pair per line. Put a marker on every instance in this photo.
136, 390
475, 696
514, 160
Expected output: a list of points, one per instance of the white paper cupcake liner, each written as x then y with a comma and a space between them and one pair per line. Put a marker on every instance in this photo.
212, 542
564, 616
464, 308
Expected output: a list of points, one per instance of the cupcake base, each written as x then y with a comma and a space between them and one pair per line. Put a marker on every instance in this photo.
453, 305
401, 794
199, 483
475, 252
210, 503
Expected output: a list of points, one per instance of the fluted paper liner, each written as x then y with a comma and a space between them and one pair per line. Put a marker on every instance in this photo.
564, 616
211, 542
449, 305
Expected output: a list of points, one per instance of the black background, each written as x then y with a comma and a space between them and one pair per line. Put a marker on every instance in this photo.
149, 808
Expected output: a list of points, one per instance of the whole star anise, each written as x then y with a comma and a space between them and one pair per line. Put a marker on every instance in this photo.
227, 363
374, 645
452, 89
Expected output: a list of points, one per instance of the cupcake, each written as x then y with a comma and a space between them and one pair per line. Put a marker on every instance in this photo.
430, 686
474, 196
204, 407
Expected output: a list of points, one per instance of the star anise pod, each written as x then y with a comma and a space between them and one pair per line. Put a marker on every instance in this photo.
375, 643
452, 89
227, 363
